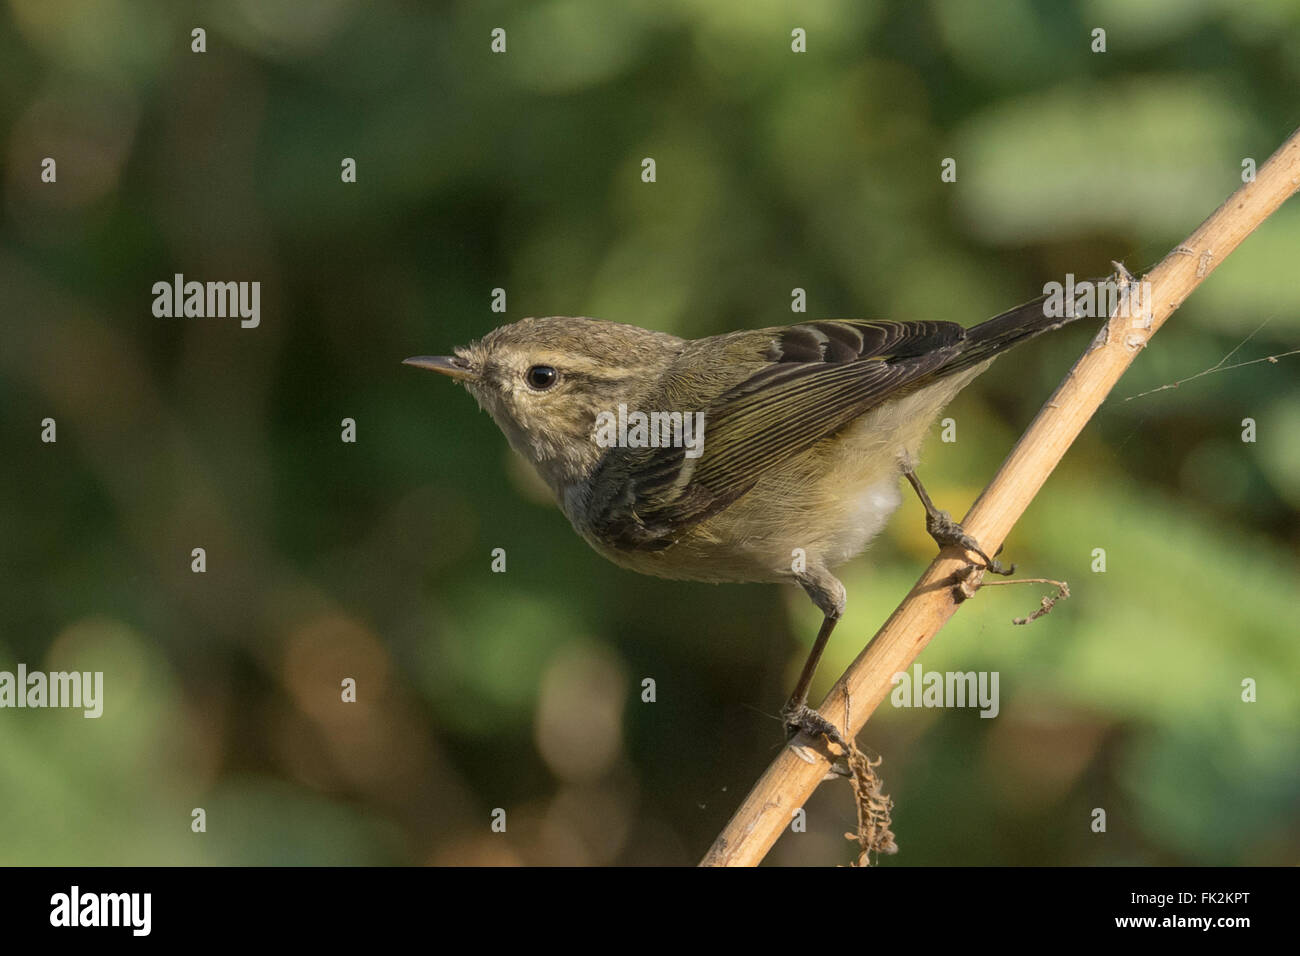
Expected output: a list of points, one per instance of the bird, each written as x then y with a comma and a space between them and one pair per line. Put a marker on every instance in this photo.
806, 431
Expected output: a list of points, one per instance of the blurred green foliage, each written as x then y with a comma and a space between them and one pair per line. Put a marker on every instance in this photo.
522, 171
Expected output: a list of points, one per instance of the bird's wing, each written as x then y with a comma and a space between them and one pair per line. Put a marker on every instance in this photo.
805, 382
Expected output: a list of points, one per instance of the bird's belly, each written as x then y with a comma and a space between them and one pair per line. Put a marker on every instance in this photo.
792, 522
865, 515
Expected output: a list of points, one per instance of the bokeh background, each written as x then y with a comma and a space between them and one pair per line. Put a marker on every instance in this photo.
372, 560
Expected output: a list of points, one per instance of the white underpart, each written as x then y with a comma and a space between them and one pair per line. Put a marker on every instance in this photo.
869, 514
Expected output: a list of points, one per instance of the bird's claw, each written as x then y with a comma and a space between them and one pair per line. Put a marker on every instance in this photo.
802, 718
948, 533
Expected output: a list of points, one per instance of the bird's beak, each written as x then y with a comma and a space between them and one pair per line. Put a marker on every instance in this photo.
452, 366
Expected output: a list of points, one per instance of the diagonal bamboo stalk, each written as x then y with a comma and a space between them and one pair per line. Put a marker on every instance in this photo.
793, 776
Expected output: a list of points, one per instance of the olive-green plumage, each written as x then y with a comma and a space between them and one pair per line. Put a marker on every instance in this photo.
807, 429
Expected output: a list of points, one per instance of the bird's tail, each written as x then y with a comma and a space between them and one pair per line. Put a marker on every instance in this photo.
1044, 314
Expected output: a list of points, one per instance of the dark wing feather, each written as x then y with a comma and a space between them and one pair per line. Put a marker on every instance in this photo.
809, 381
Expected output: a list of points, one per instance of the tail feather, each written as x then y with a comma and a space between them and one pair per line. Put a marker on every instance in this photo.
1008, 329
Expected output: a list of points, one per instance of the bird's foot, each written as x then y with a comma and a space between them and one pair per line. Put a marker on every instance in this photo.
948, 533
802, 718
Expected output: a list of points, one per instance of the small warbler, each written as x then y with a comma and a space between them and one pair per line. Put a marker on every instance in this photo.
806, 431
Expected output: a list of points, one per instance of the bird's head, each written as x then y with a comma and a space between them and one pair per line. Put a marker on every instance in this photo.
545, 380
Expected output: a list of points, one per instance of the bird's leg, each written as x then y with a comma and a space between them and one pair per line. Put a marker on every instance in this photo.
828, 594
798, 716
947, 532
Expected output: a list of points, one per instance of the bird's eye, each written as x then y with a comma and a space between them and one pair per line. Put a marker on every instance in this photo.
541, 377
